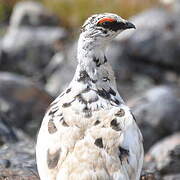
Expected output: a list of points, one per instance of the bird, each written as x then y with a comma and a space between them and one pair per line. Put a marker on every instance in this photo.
88, 132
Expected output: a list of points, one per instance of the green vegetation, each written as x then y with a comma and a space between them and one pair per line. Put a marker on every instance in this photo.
6, 9
74, 12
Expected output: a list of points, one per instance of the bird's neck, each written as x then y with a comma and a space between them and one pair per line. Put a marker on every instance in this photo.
94, 74
89, 48
90, 55
92, 61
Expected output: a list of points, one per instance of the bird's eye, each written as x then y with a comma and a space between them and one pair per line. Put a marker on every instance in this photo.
105, 23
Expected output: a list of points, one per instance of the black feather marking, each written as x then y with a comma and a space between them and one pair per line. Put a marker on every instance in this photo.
81, 100
65, 105
115, 125
54, 108
105, 59
94, 81
116, 101
102, 106
83, 76
65, 124
59, 114
51, 127
124, 153
97, 122
52, 159
53, 111
62, 118
68, 90
98, 142
50, 113
120, 113
97, 61
111, 91
134, 117
103, 93
53, 103
62, 94
88, 112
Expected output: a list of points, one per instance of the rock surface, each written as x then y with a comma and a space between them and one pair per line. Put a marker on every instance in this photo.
23, 101
155, 39
7, 134
17, 160
165, 155
172, 177
157, 113
65, 68
30, 41
31, 13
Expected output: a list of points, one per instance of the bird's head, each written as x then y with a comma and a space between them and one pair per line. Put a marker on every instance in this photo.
104, 27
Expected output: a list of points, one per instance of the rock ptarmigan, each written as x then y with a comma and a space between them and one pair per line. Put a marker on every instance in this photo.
88, 133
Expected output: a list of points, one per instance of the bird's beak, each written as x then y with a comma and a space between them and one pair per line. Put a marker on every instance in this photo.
123, 25
129, 25
126, 25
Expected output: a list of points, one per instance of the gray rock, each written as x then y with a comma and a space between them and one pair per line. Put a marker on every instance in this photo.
157, 113
61, 70
17, 39
176, 6
23, 102
155, 39
17, 175
172, 5
18, 159
166, 155
30, 43
28, 50
7, 134
172, 177
31, 13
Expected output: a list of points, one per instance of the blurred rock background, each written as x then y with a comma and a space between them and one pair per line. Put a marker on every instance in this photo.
38, 41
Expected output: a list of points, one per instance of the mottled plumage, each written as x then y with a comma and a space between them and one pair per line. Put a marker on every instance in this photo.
88, 133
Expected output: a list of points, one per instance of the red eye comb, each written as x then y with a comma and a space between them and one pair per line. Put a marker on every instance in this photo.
106, 20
